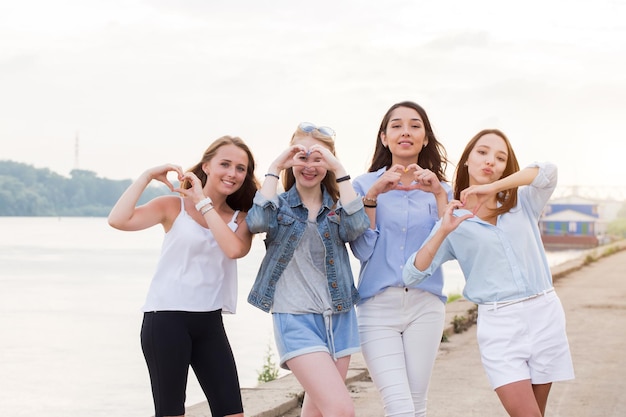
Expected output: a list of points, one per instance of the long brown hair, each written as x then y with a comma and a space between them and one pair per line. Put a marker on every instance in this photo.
432, 157
507, 198
242, 198
329, 180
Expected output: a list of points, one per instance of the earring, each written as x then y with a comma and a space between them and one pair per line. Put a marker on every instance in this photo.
465, 164
424, 145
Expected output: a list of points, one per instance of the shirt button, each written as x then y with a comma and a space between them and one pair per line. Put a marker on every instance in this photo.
334, 285
339, 308
406, 289
332, 262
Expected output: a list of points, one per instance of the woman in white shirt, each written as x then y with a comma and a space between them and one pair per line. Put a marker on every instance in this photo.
491, 230
196, 278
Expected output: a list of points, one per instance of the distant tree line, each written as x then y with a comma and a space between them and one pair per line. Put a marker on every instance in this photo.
29, 191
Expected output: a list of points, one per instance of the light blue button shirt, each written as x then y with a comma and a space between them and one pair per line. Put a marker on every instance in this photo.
404, 220
502, 262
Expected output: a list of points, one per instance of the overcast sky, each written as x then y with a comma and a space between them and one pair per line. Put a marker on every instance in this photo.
141, 83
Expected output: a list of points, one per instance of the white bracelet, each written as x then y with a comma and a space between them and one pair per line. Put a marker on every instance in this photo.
202, 203
206, 209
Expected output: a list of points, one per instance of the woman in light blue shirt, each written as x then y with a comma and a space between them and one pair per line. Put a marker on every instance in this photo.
400, 325
491, 230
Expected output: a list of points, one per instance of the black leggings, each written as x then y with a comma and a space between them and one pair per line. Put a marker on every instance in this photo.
173, 340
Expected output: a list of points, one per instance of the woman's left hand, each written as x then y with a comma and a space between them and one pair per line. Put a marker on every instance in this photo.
423, 179
475, 196
195, 192
321, 156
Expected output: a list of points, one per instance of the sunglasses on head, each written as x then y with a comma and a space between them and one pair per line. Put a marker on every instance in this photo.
324, 130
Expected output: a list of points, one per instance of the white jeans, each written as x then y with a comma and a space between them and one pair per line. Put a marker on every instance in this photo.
400, 331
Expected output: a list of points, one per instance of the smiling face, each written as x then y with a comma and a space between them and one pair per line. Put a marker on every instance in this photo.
487, 160
226, 171
308, 172
405, 135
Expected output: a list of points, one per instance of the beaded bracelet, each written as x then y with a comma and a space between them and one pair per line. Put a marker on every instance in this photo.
203, 202
371, 200
342, 179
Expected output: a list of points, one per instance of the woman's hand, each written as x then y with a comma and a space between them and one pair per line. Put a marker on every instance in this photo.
390, 180
319, 156
449, 221
195, 192
423, 179
475, 196
160, 174
288, 158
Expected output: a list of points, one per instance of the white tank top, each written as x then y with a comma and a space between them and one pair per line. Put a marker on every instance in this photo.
193, 274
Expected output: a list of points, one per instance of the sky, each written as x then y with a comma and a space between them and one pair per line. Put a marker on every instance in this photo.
141, 83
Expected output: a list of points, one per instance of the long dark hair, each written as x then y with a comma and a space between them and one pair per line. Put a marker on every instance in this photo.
507, 198
242, 198
432, 157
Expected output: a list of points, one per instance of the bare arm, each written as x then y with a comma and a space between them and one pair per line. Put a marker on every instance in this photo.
449, 222
126, 216
283, 161
481, 193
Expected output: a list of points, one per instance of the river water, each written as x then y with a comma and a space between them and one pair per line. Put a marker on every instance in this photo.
70, 294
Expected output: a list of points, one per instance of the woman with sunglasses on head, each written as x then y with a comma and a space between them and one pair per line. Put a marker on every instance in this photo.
400, 325
196, 278
305, 279
521, 322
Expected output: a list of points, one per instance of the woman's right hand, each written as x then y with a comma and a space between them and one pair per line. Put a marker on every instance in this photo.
387, 182
288, 158
160, 172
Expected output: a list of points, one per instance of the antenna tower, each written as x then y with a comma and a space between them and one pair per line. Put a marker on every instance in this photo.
76, 152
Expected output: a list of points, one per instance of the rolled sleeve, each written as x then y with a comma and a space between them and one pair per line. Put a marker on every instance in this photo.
260, 200
353, 206
363, 246
410, 274
547, 175
261, 214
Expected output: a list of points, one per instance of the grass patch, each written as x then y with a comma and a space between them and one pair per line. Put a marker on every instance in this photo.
454, 297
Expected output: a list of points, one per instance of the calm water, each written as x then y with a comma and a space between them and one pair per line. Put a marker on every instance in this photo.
70, 293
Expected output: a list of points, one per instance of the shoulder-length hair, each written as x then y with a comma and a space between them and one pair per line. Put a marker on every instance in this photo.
507, 198
329, 180
433, 156
242, 198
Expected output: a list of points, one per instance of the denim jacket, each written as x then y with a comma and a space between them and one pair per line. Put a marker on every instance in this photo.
284, 221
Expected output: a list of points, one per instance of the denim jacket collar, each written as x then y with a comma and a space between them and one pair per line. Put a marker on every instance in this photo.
293, 198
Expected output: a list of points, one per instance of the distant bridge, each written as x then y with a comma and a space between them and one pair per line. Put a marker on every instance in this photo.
591, 192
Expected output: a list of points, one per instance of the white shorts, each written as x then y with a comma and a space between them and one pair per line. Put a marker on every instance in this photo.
525, 340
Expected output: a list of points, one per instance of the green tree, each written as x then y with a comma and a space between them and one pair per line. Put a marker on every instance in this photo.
29, 191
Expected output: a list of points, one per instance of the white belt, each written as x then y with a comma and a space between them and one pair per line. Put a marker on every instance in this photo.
499, 304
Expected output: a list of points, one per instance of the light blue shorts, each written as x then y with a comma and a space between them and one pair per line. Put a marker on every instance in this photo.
299, 334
